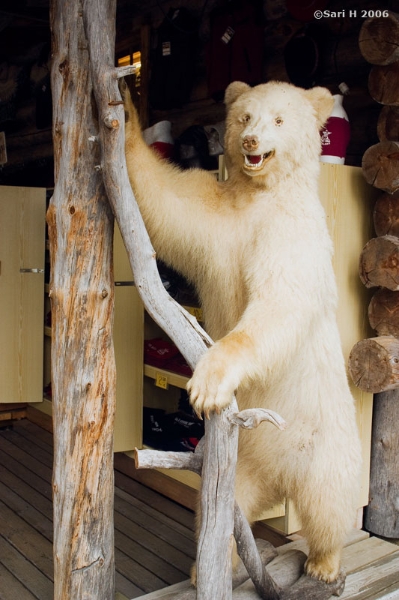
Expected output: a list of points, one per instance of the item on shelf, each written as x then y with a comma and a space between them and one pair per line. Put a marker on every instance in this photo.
159, 137
47, 391
335, 134
177, 286
192, 149
173, 61
165, 355
215, 135
178, 431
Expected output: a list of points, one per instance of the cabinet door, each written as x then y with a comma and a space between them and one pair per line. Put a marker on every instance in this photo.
22, 249
128, 342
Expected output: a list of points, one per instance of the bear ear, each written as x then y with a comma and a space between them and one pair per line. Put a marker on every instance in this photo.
322, 101
233, 91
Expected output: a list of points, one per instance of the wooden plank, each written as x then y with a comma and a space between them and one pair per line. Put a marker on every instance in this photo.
354, 537
126, 587
17, 485
156, 528
145, 580
28, 575
26, 511
11, 588
26, 458
156, 514
39, 433
155, 563
366, 552
40, 418
28, 430
27, 540
151, 542
170, 592
151, 498
370, 582
21, 471
43, 456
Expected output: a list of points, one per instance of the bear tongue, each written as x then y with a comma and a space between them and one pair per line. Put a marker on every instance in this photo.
254, 160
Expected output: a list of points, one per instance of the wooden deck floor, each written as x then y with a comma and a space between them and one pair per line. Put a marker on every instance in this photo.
154, 540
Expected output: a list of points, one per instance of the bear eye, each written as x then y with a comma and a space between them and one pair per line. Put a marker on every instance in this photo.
245, 118
278, 121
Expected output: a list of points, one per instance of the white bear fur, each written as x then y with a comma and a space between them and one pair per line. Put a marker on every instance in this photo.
258, 251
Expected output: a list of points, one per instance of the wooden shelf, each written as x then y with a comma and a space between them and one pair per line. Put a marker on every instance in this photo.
165, 378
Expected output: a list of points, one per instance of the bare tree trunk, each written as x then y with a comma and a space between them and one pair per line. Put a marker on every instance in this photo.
81, 290
217, 483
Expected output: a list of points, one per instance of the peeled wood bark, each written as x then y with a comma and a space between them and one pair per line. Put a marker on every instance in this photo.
383, 312
388, 124
380, 166
379, 263
213, 558
386, 215
82, 298
379, 39
384, 84
374, 364
382, 513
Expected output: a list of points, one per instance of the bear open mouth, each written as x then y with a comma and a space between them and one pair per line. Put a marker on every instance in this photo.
256, 161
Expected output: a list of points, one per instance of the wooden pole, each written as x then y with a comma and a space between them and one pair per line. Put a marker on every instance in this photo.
382, 513
82, 298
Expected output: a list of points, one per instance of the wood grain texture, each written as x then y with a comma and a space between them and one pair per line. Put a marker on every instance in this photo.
154, 537
379, 39
22, 213
386, 215
382, 513
380, 166
383, 84
383, 312
379, 263
82, 297
374, 364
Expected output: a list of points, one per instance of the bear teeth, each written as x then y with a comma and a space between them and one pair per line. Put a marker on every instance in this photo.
256, 162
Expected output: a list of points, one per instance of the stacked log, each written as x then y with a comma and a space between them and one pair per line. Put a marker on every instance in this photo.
374, 362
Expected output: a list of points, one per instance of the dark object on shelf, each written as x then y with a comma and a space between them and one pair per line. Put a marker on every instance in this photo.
192, 149
178, 431
235, 49
174, 61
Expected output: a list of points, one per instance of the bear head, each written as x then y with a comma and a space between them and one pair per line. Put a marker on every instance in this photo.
273, 129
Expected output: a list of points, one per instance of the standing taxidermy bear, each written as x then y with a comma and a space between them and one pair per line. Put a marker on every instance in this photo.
258, 251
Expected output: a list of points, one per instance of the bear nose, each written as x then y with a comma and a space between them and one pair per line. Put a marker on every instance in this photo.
250, 142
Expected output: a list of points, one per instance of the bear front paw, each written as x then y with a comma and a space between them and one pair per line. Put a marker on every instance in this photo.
211, 387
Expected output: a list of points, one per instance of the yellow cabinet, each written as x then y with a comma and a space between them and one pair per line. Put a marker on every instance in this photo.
22, 217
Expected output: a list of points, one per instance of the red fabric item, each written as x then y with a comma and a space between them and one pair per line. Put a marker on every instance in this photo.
165, 355
335, 137
164, 149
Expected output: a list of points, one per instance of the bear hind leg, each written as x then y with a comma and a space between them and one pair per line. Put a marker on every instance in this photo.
325, 527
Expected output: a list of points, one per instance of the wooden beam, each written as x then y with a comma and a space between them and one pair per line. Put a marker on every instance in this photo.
82, 298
